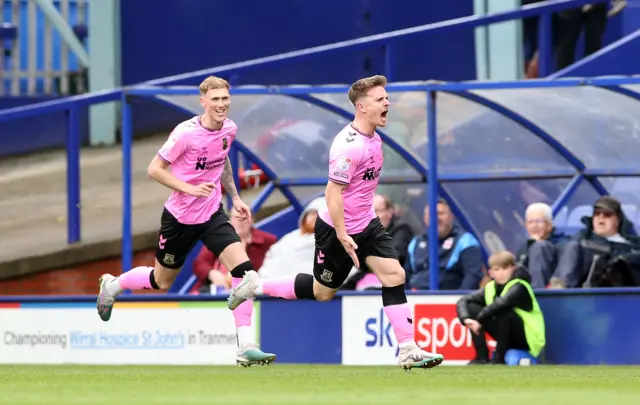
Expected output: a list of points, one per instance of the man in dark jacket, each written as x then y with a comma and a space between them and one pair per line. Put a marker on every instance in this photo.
507, 309
399, 230
539, 253
459, 256
605, 253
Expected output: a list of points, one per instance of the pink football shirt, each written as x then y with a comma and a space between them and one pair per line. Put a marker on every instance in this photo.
197, 155
355, 160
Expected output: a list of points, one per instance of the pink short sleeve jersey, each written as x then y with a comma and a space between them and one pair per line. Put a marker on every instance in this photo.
197, 155
355, 160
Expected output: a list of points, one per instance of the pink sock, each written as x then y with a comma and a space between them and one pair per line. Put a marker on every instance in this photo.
136, 279
283, 287
242, 314
401, 322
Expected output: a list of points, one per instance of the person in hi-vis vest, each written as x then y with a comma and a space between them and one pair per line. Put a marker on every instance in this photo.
507, 309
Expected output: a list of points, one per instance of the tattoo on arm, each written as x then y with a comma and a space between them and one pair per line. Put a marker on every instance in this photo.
227, 179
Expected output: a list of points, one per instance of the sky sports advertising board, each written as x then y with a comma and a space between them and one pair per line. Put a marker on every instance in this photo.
368, 339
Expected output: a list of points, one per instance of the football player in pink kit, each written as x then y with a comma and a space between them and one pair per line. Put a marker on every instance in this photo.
348, 231
197, 151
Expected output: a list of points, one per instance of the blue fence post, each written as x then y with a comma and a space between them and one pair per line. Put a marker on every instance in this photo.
545, 45
389, 61
432, 187
127, 145
73, 176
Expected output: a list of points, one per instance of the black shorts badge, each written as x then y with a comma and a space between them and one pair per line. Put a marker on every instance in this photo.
169, 259
225, 144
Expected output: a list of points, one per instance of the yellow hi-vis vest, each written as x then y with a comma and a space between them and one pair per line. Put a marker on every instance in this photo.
533, 320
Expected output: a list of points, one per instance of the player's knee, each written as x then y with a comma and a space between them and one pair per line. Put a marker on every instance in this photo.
322, 293
395, 276
164, 277
163, 284
324, 296
400, 275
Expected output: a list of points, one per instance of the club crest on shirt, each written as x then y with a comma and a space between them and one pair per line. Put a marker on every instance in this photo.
344, 163
225, 144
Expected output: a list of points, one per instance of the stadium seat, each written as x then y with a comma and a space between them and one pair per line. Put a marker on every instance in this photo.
515, 357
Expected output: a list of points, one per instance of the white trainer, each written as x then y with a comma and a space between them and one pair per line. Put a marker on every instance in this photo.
414, 357
246, 290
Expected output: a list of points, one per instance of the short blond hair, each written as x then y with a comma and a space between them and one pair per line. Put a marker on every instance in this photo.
502, 260
360, 88
213, 83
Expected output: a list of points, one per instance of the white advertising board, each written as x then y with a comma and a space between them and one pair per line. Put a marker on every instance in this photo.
138, 333
368, 339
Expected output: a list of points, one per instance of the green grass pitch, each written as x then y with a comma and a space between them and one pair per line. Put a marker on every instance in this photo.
331, 385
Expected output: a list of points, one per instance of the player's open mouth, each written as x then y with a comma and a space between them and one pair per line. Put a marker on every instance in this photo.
384, 115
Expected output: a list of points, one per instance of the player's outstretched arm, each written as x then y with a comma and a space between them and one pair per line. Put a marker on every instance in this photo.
230, 187
335, 204
159, 171
227, 179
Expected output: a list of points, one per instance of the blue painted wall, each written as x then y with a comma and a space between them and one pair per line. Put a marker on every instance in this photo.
212, 32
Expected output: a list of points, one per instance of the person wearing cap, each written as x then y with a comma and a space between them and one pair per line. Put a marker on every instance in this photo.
607, 227
294, 252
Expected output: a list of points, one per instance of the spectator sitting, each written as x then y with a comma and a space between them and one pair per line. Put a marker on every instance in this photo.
459, 256
507, 309
294, 252
400, 231
538, 254
209, 270
607, 235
